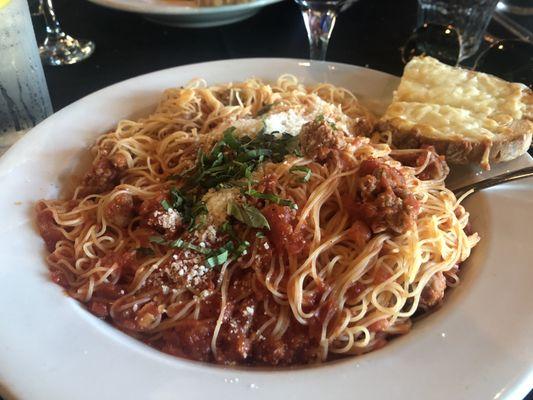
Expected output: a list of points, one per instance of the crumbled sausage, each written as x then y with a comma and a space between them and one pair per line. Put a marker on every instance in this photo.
119, 211
233, 342
292, 348
382, 201
105, 173
190, 339
433, 292
47, 226
318, 139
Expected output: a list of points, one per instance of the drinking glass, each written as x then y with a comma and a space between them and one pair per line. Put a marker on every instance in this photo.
24, 99
509, 59
469, 17
58, 47
319, 18
517, 7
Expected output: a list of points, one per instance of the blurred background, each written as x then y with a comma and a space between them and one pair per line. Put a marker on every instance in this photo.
369, 33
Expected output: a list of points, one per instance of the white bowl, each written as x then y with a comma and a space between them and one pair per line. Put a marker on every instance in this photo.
477, 346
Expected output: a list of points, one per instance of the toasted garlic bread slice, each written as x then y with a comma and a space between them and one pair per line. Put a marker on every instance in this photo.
468, 116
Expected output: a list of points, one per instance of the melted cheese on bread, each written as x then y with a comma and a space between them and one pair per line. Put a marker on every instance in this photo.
426, 80
449, 103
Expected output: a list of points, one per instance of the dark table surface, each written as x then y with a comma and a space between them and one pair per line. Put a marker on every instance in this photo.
128, 45
369, 33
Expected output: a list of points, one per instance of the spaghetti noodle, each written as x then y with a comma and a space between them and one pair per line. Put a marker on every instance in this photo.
250, 223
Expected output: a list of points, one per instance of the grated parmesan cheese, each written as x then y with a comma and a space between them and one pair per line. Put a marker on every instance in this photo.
249, 311
247, 126
217, 202
287, 121
168, 219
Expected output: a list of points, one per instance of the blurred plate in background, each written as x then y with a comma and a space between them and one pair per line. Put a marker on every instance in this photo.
185, 14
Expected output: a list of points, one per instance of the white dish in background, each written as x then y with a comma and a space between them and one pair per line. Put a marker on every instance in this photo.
477, 346
178, 13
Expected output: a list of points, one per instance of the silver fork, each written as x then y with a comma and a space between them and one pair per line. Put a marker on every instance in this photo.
496, 180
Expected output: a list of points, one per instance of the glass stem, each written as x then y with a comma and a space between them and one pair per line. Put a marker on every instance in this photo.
319, 25
53, 29
36, 7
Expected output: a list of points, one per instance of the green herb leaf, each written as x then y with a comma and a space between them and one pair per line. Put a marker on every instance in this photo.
233, 158
178, 199
259, 234
242, 248
270, 197
248, 215
178, 243
181, 244
198, 249
230, 140
157, 239
253, 154
306, 170
217, 259
165, 205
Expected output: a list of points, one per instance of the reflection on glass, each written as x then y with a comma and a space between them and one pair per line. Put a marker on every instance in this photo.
58, 47
440, 42
469, 17
511, 60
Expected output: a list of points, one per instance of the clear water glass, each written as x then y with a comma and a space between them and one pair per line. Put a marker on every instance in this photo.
24, 98
319, 18
469, 17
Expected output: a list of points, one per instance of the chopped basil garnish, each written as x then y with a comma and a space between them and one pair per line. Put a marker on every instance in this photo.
217, 259
189, 207
306, 170
157, 239
248, 215
242, 248
230, 139
214, 257
181, 244
234, 158
270, 197
165, 205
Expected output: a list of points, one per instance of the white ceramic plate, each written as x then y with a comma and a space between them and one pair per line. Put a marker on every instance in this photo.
178, 13
477, 346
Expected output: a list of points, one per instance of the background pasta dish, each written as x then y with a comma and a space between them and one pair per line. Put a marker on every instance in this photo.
254, 223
